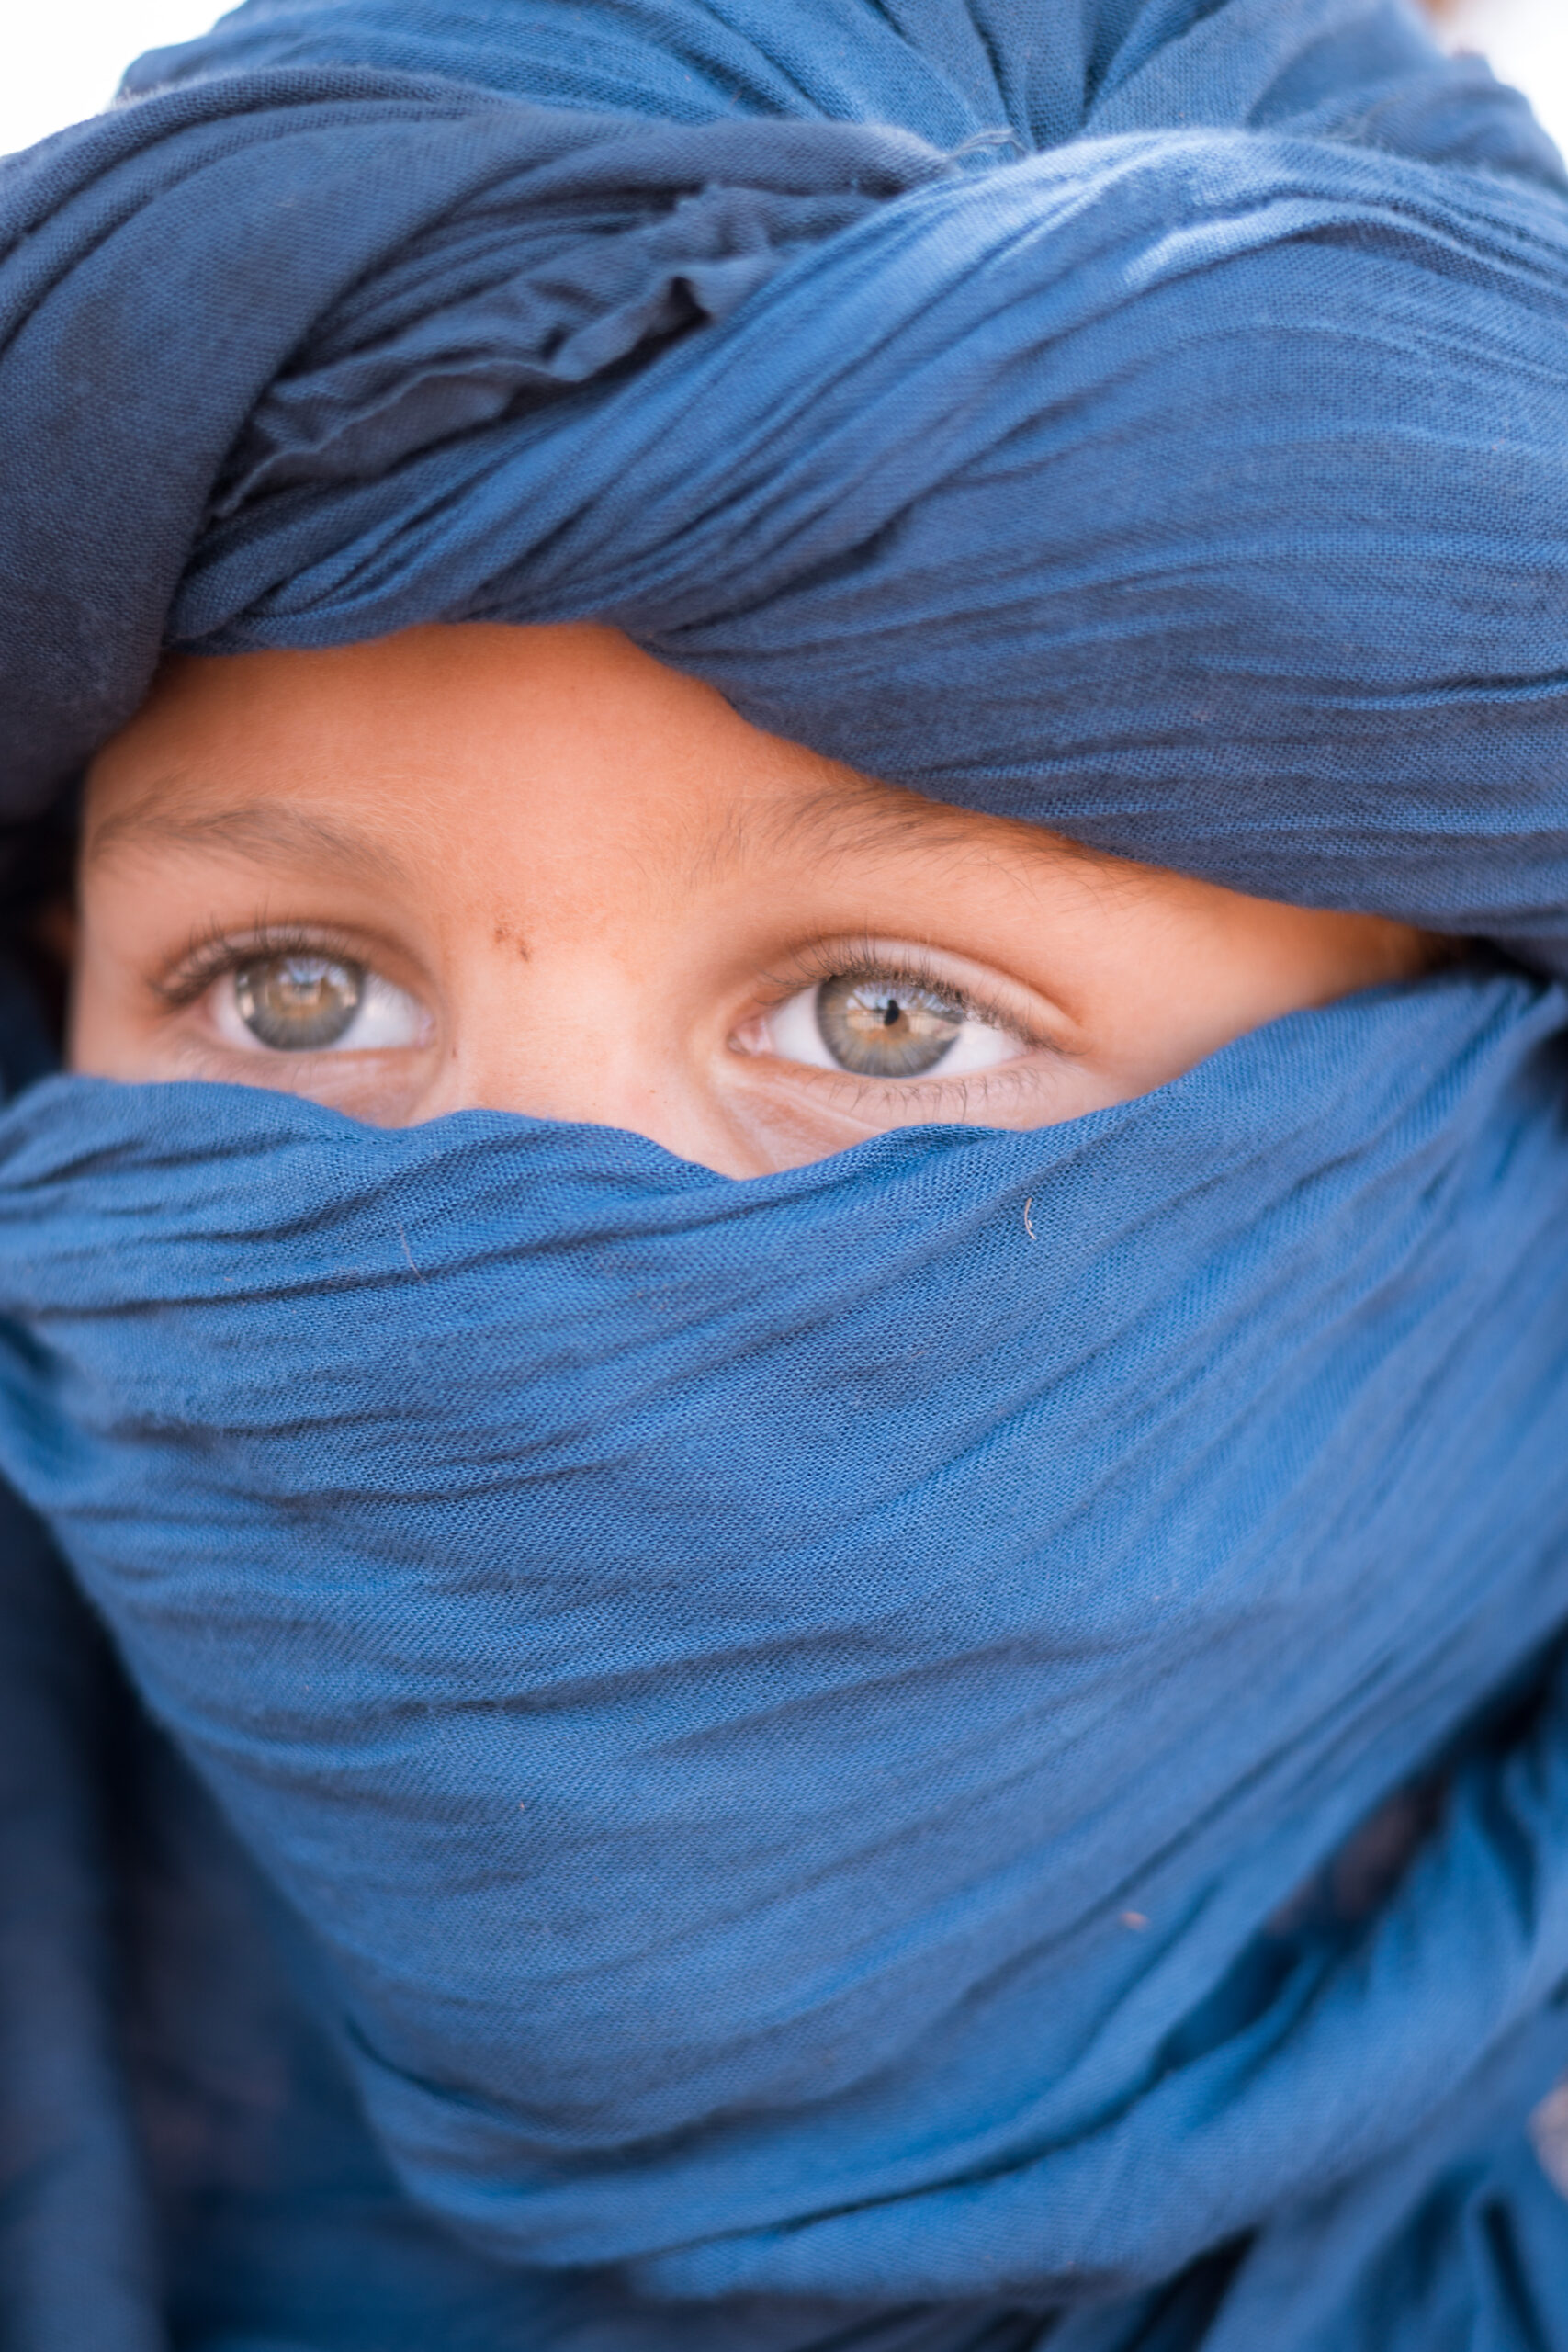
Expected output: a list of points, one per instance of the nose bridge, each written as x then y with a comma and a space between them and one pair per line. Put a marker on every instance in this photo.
583, 1030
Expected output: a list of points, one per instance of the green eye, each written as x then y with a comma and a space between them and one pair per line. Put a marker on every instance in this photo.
879, 1026
306, 999
890, 1025
298, 1004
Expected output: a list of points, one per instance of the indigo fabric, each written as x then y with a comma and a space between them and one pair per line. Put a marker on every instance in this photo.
958, 1751
795, 1717
1141, 416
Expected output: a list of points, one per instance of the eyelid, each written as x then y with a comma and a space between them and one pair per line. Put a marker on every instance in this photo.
207, 957
946, 973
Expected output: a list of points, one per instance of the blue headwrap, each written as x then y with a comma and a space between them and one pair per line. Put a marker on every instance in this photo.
962, 1748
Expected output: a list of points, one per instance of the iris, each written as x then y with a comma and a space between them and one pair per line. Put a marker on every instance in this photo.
882, 1027
305, 999
298, 1005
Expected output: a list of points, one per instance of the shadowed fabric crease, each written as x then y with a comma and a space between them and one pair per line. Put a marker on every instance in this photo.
958, 1751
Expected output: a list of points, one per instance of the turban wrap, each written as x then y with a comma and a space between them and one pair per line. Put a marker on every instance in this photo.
963, 1748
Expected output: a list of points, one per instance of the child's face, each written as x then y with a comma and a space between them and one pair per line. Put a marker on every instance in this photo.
531, 870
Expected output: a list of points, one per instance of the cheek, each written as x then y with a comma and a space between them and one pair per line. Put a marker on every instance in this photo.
1049, 1095
379, 1091
787, 1121
101, 1039
1170, 993
1195, 988
115, 1020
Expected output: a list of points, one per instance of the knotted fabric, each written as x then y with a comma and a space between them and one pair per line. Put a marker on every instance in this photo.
964, 1747
1144, 418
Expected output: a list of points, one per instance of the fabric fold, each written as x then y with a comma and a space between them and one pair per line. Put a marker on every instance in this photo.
756, 1763
726, 1871
815, 354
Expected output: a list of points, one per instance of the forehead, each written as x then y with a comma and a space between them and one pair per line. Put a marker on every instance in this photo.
446, 741
378, 717
442, 713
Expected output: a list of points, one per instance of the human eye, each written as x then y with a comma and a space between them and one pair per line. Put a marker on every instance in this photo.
310, 1000
872, 1022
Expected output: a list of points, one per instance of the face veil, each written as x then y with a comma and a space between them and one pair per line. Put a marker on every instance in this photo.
774, 1763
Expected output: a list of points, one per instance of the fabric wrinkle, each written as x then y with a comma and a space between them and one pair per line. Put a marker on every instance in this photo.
960, 1749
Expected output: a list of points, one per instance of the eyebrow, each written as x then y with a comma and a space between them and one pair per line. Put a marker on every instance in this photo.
823, 827
831, 824
262, 832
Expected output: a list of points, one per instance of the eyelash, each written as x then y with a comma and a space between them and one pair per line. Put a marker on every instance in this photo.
862, 959
209, 955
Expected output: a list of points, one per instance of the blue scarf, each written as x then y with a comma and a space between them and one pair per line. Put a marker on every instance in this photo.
962, 1748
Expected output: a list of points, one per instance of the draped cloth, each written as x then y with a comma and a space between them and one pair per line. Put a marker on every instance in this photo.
965, 1747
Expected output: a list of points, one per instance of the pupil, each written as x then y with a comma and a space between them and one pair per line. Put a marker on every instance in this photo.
297, 1005
878, 1031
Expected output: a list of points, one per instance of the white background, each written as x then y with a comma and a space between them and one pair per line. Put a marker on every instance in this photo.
1528, 43
62, 58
